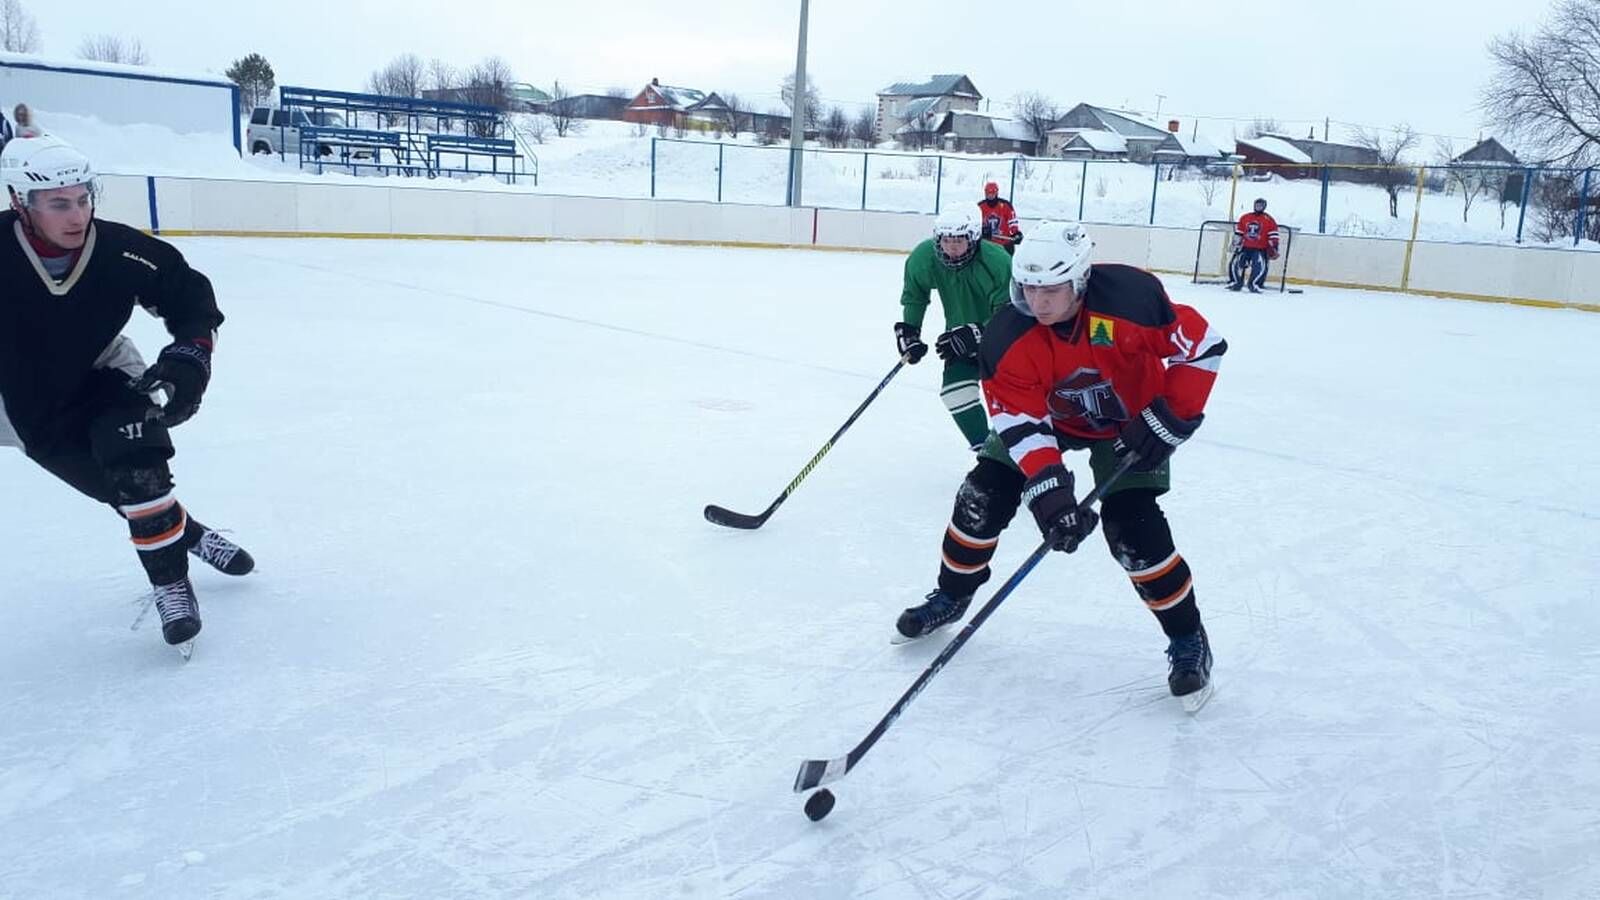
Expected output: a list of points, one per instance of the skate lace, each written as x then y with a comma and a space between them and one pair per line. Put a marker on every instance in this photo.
216, 549
174, 601
1186, 652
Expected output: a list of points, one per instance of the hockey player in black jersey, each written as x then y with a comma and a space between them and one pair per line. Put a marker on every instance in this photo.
74, 393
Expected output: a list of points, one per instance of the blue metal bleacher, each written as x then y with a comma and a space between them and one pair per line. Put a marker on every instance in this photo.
400, 139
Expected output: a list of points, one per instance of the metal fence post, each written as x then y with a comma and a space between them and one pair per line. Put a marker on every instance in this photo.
1154, 186
1083, 186
720, 145
938, 185
1011, 191
866, 161
1322, 216
652, 168
1583, 208
1416, 221
1522, 205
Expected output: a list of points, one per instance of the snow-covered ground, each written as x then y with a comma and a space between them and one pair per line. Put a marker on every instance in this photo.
493, 650
613, 159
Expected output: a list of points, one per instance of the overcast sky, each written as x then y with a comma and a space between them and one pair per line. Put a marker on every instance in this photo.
1372, 62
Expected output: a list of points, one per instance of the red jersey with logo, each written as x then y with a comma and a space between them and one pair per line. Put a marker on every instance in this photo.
1059, 387
999, 220
1257, 231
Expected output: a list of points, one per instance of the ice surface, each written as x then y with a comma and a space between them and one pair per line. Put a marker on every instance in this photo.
493, 650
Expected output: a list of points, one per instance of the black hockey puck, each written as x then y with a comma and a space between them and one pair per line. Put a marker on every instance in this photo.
818, 805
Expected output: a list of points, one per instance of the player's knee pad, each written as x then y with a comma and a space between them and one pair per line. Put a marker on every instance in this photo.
123, 436
987, 499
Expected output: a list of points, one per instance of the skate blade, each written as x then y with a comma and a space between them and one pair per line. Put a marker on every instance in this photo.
1193, 703
185, 649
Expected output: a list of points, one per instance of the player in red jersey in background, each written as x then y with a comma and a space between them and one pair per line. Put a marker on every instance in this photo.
999, 219
1255, 241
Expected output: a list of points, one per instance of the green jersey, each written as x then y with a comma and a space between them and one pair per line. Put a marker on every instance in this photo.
970, 294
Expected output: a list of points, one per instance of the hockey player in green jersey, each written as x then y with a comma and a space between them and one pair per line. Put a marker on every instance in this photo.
973, 278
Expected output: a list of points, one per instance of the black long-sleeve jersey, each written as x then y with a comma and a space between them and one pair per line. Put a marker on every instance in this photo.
53, 333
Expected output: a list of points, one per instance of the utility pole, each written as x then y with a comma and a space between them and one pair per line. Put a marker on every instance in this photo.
1159, 98
797, 126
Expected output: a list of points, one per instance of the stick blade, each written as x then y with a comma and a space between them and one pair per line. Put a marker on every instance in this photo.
817, 772
727, 518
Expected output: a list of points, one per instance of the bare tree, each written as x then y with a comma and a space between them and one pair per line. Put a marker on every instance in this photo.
19, 31
441, 75
112, 49
1545, 87
1209, 182
619, 92
1259, 127
772, 129
254, 76
1389, 147
403, 76
562, 111
730, 120
537, 127
812, 102
488, 84
1039, 113
1471, 180
865, 126
835, 127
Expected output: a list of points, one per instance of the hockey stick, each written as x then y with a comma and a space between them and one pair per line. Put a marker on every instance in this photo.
816, 772
718, 515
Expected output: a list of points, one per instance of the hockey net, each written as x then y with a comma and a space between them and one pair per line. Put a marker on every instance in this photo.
1214, 250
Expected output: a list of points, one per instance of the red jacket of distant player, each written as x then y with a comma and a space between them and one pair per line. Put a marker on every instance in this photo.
999, 221
1060, 387
1257, 231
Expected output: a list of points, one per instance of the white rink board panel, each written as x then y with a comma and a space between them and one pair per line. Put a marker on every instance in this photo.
124, 198
1476, 270
343, 209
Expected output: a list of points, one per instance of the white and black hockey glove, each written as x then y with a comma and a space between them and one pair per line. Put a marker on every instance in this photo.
1054, 506
959, 344
908, 340
1153, 434
182, 370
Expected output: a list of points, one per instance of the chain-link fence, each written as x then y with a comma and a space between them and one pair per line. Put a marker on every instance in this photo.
1457, 203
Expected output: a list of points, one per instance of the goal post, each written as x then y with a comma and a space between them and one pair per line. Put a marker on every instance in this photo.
1214, 250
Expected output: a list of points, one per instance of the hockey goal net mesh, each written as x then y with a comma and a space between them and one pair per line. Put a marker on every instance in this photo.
1214, 251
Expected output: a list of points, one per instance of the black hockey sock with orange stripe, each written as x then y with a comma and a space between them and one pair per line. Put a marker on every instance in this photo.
985, 505
156, 522
1137, 532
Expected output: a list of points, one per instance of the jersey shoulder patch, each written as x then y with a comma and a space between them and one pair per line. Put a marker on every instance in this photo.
1129, 293
1005, 329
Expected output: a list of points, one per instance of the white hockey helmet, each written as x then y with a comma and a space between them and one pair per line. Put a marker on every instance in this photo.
42, 163
1054, 253
957, 223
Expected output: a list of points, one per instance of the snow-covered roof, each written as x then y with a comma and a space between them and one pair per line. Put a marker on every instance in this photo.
916, 109
1278, 147
971, 123
29, 59
1193, 147
937, 86
1102, 141
678, 98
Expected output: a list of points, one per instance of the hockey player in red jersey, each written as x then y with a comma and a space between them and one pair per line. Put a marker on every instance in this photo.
999, 219
1090, 358
1255, 241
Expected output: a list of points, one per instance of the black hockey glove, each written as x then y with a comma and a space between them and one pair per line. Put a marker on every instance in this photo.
908, 339
1153, 434
182, 370
959, 344
1055, 508
1016, 238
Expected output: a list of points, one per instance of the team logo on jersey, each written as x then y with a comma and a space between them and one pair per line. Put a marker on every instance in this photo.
1102, 332
1084, 400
